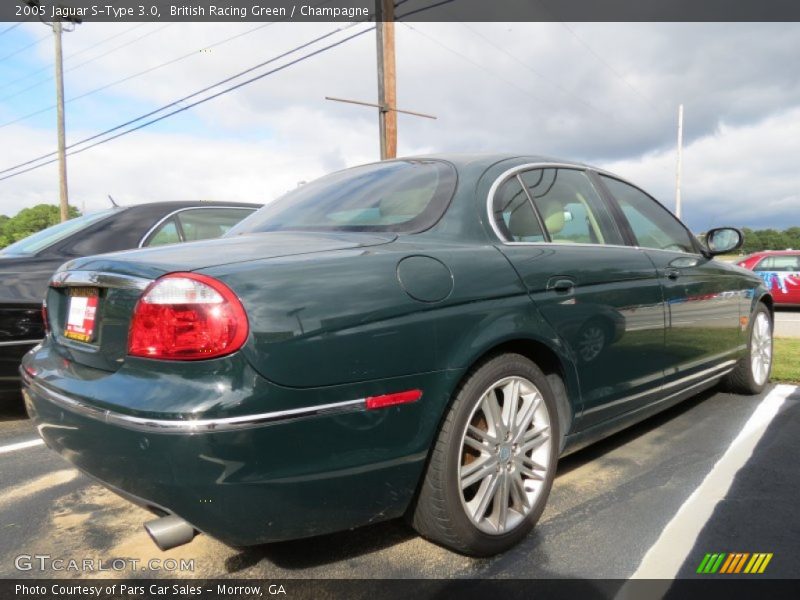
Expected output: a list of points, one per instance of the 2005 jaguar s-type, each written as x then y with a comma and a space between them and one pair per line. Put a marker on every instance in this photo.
420, 337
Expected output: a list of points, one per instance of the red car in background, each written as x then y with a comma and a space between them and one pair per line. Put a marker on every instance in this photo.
780, 270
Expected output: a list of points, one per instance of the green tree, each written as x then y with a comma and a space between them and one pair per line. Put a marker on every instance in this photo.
30, 220
793, 237
752, 241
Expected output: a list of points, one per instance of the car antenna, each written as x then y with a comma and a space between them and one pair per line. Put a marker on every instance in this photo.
113, 203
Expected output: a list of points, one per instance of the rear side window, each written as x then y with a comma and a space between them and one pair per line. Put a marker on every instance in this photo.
652, 224
207, 223
405, 196
784, 264
167, 233
513, 214
570, 208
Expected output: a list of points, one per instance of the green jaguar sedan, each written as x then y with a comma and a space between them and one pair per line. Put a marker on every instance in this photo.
421, 337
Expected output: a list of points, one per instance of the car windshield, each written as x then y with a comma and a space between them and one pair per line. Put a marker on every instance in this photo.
402, 196
47, 237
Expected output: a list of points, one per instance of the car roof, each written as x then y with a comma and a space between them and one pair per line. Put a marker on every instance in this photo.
178, 204
488, 159
775, 253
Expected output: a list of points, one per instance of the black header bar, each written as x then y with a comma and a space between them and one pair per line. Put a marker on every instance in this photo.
406, 10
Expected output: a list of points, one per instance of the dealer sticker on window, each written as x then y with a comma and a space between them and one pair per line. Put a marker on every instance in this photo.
81, 314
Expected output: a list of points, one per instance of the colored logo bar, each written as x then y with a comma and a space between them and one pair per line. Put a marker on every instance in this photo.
734, 562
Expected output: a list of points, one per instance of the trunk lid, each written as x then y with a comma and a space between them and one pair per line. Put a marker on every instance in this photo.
117, 280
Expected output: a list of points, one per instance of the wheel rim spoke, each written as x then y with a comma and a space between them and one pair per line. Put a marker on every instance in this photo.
501, 501
529, 467
534, 438
485, 495
527, 416
482, 436
478, 469
491, 410
519, 493
510, 401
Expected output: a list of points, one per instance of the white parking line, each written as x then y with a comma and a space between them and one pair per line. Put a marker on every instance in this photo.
20, 446
665, 558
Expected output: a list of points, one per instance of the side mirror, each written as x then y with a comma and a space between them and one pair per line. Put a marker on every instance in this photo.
722, 240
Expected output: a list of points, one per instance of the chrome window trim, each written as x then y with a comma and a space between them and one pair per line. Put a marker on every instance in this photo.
506, 175
187, 426
98, 279
515, 171
19, 343
180, 210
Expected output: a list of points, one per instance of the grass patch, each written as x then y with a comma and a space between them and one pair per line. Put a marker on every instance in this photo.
786, 365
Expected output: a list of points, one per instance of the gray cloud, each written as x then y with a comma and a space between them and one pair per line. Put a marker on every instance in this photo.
603, 93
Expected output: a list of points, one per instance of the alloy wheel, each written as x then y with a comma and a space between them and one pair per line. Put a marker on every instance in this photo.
761, 348
504, 453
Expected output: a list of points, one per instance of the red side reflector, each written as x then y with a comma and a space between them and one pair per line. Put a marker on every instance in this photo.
392, 399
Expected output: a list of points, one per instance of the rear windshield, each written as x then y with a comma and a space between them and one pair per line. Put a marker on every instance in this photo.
47, 237
403, 196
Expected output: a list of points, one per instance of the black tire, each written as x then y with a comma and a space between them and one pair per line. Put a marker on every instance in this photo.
742, 379
440, 513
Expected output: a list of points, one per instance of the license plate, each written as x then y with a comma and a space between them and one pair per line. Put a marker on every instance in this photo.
81, 313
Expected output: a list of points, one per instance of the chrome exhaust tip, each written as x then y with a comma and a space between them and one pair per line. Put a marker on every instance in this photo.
169, 532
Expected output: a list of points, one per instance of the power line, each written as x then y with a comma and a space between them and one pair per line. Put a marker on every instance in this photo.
79, 65
138, 74
422, 9
145, 71
183, 99
526, 66
610, 67
33, 43
481, 67
7, 29
201, 101
30, 74
188, 106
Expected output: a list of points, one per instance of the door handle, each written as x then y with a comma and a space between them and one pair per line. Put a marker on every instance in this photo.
672, 273
561, 285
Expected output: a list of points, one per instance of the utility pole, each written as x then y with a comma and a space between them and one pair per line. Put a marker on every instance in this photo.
680, 163
63, 198
58, 29
387, 81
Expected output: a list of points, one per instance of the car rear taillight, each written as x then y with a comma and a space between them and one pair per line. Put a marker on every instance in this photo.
185, 316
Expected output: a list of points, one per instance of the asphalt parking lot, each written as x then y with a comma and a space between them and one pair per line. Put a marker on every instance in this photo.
609, 509
787, 322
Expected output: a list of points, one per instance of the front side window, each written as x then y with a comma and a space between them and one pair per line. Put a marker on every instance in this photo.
570, 208
652, 224
405, 196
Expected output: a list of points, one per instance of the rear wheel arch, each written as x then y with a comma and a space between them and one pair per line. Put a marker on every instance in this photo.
560, 374
767, 300
440, 509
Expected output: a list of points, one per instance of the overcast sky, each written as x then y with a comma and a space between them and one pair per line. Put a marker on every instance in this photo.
606, 94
